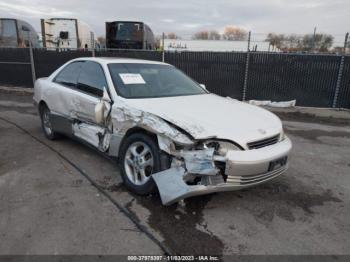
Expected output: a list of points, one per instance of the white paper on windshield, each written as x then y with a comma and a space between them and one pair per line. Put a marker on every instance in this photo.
132, 79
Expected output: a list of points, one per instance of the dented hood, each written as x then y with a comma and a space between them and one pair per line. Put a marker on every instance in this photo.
209, 115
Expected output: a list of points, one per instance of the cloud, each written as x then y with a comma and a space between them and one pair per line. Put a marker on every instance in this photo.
32, 11
191, 25
168, 20
185, 17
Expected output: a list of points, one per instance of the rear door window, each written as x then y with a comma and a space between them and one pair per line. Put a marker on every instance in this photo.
69, 75
92, 79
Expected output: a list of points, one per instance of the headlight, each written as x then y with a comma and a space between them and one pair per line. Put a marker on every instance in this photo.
221, 147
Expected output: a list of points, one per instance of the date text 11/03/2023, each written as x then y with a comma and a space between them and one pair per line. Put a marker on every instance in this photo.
173, 258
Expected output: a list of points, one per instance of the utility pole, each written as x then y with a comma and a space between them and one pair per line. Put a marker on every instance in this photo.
163, 48
346, 41
245, 83
92, 36
314, 40
249, 35
31, 56
340, 73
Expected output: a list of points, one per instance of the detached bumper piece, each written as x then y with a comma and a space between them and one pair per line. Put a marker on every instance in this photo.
243, 169
172, 187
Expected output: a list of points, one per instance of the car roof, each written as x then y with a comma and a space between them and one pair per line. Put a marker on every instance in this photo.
112, 60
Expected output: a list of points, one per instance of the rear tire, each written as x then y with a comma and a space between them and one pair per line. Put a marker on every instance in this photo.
46, 123
140, 157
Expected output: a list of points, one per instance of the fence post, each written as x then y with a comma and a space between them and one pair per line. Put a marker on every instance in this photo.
314, 40
32, 66
245, 84
163, 48
346, 42
337, 87
92, 36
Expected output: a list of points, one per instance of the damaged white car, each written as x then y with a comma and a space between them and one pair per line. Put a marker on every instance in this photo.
166, 130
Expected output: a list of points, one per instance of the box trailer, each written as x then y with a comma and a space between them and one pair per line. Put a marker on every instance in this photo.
129, 35
67, 33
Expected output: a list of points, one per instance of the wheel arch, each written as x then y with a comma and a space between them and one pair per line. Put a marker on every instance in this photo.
41, 105
164, 157
135, 130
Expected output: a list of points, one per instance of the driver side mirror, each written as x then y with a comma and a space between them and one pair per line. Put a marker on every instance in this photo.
103, 107
203, 86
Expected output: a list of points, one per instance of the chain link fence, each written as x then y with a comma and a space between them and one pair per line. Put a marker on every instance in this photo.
314, 80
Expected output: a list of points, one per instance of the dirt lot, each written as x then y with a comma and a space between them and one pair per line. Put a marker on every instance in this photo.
62, 197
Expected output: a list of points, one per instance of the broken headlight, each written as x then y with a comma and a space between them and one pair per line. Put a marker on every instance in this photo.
221, 147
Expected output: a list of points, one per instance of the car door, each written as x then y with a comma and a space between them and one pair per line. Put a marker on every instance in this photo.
89, 90
62, 89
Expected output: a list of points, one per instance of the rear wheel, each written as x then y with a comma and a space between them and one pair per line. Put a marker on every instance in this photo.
140, 157
46, 123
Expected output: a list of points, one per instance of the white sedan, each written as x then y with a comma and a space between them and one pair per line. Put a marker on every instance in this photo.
166, 130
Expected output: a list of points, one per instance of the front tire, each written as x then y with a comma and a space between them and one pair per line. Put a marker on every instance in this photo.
140, 157
46, 123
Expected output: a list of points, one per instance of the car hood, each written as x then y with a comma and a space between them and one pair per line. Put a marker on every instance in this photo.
208, 115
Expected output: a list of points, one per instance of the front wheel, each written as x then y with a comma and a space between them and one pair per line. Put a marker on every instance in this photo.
140, 157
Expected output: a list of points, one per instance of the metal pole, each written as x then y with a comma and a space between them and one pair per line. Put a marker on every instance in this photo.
346, 42
32, 66
314, 40
337, 87
249, 35
92, 44
245, 84
163, 48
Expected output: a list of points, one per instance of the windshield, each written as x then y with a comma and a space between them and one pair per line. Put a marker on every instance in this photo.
129, 32
152, 80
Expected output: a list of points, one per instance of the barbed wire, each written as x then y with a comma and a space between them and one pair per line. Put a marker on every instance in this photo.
261, 36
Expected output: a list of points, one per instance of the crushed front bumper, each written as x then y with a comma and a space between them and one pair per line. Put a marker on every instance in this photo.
242, 169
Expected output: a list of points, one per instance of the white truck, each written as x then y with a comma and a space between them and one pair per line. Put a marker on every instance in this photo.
66, 33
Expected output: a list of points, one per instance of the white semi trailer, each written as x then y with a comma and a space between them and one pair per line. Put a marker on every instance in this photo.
67, 33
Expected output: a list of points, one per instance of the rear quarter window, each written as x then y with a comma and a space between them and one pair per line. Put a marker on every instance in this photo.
68, 76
